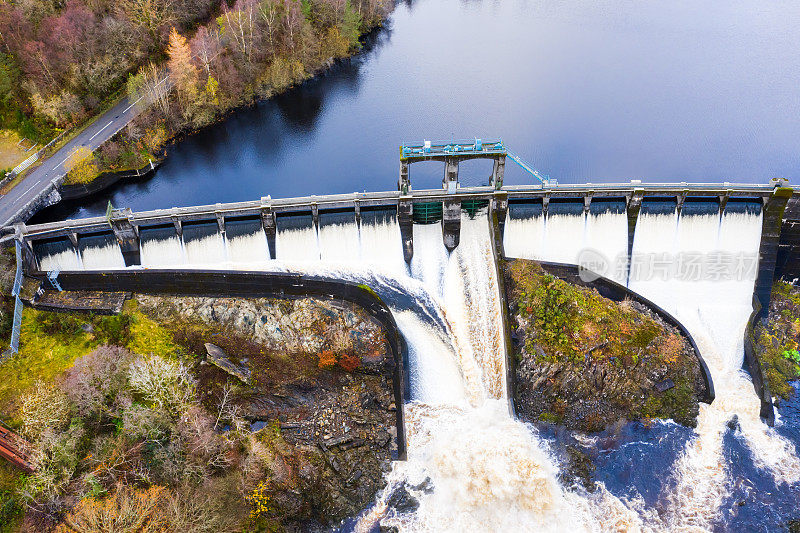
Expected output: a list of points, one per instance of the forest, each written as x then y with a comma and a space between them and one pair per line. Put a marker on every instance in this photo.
61, 62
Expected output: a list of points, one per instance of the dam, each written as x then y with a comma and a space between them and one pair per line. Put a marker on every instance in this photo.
432, 256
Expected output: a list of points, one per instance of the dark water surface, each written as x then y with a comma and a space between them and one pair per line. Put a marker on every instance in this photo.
584, 90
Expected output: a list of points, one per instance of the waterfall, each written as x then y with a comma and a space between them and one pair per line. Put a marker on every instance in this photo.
245, 240
57, 254
566, 233
296, 239
203, 244
381, 243
101, 252
338, 238
160, 247
715, 310
488, 471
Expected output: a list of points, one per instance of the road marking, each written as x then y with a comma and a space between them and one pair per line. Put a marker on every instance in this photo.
110, 122
64, 161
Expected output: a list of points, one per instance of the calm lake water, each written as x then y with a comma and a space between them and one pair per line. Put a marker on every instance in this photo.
591, 91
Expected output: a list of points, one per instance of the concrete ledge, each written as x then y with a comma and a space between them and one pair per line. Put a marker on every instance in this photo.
245, 284
616, 292
499, 261
752, 362
103, 181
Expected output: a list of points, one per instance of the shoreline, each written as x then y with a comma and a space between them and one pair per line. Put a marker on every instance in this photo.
107, 183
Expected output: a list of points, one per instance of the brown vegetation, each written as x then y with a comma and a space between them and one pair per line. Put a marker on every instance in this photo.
586, 361
59, 61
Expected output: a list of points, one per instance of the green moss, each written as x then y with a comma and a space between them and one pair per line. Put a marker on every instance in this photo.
778, 341
51, 342
550, 417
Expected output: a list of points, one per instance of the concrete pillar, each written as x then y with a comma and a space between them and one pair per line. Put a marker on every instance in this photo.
788, 265
220, 219
357, 209
587, 201
680, 199
451, 223
498, 172
723, 201
73, 238
29, 263
499, 205
545, 204
771, 220
406, 222
127, 235
268, 223
634, 206
404, 182
450, 180
178, 225
315, 214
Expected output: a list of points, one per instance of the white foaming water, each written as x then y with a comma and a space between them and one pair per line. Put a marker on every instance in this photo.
382, 245
715, 313
561, 238
488, 471
564, 238
607, 233
65, 260
161, 252
102, 257
297, 244
339, 243
248, 248
524, 238
207, 250
430, 257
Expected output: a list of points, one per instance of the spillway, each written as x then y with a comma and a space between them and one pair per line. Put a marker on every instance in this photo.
100, 252
203, 244
569, 234
246, 241
160, 247
57, 254
701, 268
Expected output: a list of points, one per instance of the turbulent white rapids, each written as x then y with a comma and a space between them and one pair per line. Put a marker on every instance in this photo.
471, 466
715, 313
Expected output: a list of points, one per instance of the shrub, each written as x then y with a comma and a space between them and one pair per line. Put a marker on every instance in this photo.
166, 384
205, 449
141, 422
126, 511
115, 329
349, 362
44, 407
55, 460
97, 379
327, 358
58, 323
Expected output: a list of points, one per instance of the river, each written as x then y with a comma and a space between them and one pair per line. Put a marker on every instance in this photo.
585, 91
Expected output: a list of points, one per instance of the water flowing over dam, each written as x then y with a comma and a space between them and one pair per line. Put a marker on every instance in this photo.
470, 464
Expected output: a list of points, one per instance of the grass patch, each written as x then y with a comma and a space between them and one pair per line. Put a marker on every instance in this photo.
51, 342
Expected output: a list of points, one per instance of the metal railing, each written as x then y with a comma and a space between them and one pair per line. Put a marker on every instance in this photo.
13, 346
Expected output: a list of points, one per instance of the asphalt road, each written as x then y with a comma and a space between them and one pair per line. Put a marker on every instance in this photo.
52, 168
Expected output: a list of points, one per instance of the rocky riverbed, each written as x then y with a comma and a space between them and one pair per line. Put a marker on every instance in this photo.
319, 392
778, 340
586, 362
